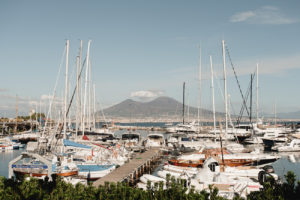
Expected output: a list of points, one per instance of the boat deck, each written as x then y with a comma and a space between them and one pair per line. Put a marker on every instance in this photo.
130, 169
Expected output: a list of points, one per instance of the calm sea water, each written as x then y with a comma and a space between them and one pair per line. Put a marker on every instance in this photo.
5, 158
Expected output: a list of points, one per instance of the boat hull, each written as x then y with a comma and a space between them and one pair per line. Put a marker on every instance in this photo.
67, 173
32, 174
227, 162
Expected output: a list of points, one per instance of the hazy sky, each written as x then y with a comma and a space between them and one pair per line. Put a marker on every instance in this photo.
144, 49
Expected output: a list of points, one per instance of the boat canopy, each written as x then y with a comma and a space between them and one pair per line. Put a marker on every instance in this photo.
92, 168
75, 144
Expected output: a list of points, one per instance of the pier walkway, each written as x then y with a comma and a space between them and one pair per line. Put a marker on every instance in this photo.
131, 171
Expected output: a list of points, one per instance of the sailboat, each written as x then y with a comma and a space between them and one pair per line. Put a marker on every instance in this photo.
46, 164
183, 127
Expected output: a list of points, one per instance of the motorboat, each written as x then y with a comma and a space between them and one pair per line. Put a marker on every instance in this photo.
164, 174
227, 185
185, 140
170, 129
241, 171
154, 179
293, 146
186, 128
178, 169
26, 137
253, 140
7, 144
182, 128
132, 141
239, 132
155, 140
94, 171
270, 139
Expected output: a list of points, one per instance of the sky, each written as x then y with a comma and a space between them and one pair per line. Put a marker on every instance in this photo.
145, 49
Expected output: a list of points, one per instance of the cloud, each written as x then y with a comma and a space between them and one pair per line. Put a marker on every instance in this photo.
243, 16
263, 15
145, 95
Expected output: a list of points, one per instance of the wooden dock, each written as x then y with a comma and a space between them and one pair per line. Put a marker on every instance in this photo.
131, 171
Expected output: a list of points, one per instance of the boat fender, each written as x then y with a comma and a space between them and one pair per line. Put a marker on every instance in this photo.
262, 177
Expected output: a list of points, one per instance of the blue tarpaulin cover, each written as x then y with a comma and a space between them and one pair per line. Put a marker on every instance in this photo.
75, 144
92, 168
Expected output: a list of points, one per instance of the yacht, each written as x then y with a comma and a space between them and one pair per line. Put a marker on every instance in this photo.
155, 140
293, 146
131, 140
94, 171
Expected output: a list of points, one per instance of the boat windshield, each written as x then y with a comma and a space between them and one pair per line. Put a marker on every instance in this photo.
130, 136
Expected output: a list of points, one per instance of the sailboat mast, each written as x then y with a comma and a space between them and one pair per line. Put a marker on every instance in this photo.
66, 88
94, 115
251, 76
213, 94
188, 108
77, 95
16, 114
40, 121
183, 102
257, 93
36, 117
30, 113
275, 115
200, 82
225, 88
80, 83
69, 93
85, 86
90, 95
50, 110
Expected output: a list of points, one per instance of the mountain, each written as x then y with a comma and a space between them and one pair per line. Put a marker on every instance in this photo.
161, 107
168, 108
283, 115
